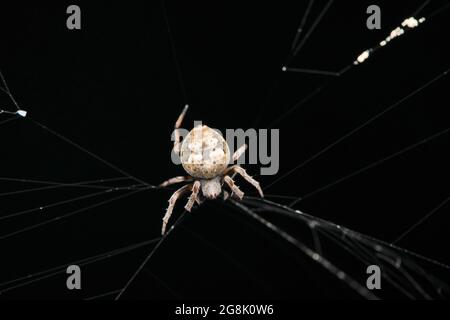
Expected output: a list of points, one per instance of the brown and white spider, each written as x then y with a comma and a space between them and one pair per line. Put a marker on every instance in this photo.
205, 156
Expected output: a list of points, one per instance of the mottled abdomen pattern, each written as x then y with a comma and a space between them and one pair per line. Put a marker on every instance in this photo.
204, 153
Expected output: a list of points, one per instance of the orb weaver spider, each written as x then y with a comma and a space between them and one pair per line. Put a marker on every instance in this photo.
205, 156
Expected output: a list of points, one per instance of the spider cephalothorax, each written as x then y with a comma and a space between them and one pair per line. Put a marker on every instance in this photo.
205, 156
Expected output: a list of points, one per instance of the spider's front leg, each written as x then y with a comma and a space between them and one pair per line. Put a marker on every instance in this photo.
173, 199
239, 152
176, 142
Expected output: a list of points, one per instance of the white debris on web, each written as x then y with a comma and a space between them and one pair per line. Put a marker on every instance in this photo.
22, 113
407, 24
19, 112
362, 57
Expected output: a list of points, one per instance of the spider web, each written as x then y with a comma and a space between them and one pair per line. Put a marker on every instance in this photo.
318, 241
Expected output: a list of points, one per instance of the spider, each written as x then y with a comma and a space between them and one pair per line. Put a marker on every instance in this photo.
205, 156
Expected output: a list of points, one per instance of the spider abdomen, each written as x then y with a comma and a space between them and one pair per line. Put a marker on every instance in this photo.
204, 153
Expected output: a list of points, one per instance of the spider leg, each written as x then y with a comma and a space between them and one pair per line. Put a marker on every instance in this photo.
176, 143
226, 195
173, 199
233, 187
239, 170
200, 199
175, 180
194, 196
238, 153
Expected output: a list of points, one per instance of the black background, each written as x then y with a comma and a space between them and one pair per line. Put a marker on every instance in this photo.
113, 88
